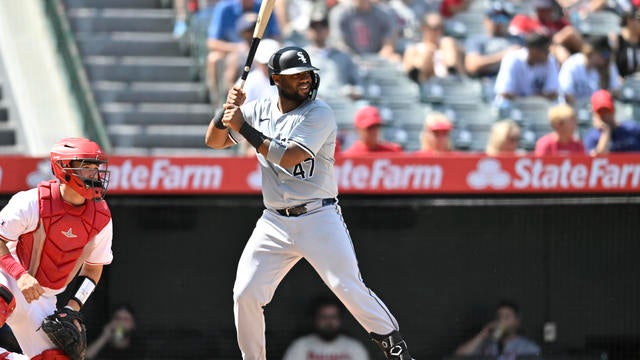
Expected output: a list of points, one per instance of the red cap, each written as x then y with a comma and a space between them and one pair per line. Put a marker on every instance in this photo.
367, 116
440, 125
601, 99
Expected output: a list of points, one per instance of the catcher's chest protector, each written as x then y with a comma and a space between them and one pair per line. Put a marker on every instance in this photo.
67, 229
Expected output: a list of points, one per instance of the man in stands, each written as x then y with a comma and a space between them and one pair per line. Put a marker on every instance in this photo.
607, 135
368, 123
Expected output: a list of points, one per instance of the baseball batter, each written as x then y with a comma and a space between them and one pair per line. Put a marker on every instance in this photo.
49, 234
294, 135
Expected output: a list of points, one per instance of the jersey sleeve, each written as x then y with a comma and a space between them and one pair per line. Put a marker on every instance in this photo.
551, 85
20, 215
314, 130
505, 81
100, 251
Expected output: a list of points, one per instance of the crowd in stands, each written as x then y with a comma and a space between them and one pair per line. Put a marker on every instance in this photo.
524, 70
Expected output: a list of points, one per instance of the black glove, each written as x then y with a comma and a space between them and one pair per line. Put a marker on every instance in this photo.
66, 330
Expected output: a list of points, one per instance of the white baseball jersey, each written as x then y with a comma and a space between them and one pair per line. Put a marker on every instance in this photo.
312, 347
311, 126
320, 235
518, 78
577, 80
20, 216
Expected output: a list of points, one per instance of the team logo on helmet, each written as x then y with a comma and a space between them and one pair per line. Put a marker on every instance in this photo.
301, 57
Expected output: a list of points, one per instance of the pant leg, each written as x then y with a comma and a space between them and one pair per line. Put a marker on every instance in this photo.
326, 244
266, 259
27, 317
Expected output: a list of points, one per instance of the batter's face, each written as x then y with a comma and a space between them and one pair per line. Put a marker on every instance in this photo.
294, 87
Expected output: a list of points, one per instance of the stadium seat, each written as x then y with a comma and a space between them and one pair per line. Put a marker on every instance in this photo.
599, 23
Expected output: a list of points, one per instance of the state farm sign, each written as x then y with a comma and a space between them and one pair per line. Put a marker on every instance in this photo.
383, 174
165, 174
541, 174
392, 174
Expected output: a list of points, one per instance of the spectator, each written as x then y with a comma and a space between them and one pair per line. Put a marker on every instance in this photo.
449, 8
339, 74
607, 135
561, 141
485, 51
226, 45
326, 341
587, 71
435, 138
504, 138
627, 44
258, 83
368, 123
548, 19
363, 27
118, 340
530, 71
500, 338
294, 17
408, 14
435, 55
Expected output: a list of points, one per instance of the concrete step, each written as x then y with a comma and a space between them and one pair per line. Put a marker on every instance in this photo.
128, 43
8, 136
139, 68
156, 114
86, 20
139, 4
137, 92
159, 136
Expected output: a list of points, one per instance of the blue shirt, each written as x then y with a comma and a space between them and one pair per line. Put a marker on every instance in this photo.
625, 138
225, 16
519, 345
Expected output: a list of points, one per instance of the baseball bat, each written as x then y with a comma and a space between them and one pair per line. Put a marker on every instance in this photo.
266, 8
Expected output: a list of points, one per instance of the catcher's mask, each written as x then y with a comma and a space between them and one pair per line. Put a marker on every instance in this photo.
82, 165
292, 60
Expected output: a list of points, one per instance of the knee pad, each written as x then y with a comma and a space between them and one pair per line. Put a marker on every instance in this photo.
51, 354
7, 304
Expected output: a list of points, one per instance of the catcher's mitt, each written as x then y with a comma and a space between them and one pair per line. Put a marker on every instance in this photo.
66, 330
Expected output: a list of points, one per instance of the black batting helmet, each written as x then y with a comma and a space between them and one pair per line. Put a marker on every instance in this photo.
288, 61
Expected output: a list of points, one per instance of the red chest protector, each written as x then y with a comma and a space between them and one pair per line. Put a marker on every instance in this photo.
52, 251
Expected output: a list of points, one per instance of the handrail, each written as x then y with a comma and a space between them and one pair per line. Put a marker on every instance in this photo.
92, 123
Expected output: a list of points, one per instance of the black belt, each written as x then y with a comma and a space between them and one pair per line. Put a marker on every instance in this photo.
305, 208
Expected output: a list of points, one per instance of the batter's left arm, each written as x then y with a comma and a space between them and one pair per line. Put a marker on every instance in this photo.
90, 273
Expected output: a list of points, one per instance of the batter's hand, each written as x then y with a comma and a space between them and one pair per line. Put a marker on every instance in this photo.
236, 96
30, 287
232, 117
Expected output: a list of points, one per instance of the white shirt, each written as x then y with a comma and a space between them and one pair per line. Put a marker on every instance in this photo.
312, 347
520, 79
21, 215
577, 80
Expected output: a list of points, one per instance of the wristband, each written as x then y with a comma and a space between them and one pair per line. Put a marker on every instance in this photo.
276, 151
84, 289
253, 136
217, 120
11, 266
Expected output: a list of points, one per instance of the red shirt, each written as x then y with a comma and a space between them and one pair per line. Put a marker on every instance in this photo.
445, 7
523, 25
548, 145
359, 148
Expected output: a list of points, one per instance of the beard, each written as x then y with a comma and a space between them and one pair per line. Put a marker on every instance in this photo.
291, 95
327, 335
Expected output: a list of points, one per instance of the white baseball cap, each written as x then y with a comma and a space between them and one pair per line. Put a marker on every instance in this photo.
266, 48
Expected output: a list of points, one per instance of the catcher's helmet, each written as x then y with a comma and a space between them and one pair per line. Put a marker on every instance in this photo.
89, 182
288, 61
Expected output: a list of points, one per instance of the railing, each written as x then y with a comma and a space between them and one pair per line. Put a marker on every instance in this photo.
92, 124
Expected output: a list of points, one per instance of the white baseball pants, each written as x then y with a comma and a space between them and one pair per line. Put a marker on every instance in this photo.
276, 245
